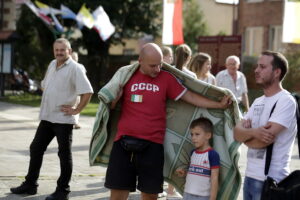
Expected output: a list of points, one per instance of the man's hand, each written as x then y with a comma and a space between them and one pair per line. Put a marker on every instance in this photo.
68, 110
265, 135
180, 172
246, 123
225, 102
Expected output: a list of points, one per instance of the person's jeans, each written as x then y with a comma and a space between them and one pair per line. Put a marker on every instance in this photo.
252, 188
46, 131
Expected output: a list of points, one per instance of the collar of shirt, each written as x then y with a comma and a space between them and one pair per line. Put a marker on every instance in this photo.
64, 64
238, 75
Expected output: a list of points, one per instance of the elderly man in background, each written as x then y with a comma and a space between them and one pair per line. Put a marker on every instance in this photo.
235, 81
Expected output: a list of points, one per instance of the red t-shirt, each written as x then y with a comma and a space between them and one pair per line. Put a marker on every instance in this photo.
144, 105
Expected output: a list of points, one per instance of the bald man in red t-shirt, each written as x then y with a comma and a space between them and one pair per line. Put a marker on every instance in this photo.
137, 156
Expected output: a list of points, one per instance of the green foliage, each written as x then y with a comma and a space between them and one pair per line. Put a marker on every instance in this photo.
222, 33
291, 81
132, 18
33, 47
194, 25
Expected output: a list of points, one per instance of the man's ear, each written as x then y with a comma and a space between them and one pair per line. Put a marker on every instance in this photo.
277, 72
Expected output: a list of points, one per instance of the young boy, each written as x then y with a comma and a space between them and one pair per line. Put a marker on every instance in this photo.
202, 174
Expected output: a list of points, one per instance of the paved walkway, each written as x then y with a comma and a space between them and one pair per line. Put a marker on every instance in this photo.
17, 128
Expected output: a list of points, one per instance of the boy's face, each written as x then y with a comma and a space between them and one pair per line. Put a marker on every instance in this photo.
199, 137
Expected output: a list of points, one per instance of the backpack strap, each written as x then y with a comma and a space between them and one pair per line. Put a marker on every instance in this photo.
269, 148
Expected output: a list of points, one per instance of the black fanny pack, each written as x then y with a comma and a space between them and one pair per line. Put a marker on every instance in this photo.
133, 144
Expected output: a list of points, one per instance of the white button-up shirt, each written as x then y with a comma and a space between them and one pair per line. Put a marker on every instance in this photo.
62, 85
225, 80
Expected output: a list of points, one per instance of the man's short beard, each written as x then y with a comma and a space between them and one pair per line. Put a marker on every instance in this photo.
266, 84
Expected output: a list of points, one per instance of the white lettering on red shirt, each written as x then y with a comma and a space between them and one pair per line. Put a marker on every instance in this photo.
144, 86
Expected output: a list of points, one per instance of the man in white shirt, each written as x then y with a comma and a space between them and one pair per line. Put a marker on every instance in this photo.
262, 127
64, 81
234, 80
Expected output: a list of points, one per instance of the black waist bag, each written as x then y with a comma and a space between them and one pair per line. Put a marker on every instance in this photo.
133, 144
288, 188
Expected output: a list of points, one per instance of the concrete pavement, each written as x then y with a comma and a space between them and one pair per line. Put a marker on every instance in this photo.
17, 128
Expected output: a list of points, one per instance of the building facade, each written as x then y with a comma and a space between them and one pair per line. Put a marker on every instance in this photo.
260, 23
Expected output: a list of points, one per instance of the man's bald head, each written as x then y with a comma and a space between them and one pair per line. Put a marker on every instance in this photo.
150, 50
150, 59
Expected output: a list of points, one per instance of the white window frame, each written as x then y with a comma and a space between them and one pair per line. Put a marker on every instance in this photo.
275, 38
250, 35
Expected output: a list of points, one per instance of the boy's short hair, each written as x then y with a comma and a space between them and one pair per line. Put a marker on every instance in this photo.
204, 123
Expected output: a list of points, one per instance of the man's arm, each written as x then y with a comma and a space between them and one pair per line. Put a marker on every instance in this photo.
214, 184
84, 100
245, 101
203, 102
267, 137
115, 101
259, 137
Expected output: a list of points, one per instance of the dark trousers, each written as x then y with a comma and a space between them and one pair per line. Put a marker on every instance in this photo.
46, 131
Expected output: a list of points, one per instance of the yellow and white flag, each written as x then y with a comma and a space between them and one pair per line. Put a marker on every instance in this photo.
85, 17
45, 9
291, 28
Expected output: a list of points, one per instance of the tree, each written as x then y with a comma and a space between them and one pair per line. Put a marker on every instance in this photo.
194, 25
290, 82
132, 19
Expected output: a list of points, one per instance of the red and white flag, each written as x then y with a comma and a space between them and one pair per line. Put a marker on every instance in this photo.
172, 23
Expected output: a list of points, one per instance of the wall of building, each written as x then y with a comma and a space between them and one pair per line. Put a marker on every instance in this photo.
9, 15
218, 16
261, 16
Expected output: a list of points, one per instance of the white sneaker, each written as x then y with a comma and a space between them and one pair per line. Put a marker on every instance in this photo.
174, 195
163, 194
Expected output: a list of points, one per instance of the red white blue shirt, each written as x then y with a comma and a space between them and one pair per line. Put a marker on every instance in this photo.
198, 176
144, 105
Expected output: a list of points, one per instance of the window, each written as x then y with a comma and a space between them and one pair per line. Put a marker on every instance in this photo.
253, 41
275, 38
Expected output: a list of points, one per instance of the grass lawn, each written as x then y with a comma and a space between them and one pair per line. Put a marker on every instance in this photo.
35, 100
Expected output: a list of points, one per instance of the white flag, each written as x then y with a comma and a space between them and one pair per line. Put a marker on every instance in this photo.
85, 17
291, 28
103, 24
172, 23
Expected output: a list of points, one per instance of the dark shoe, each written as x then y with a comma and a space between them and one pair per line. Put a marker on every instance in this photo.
24, 188
58, 195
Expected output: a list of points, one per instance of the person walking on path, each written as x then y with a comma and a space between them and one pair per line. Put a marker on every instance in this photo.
65, 79
137, 155
271, 120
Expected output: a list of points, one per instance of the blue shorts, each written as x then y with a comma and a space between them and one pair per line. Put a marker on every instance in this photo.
142, 170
